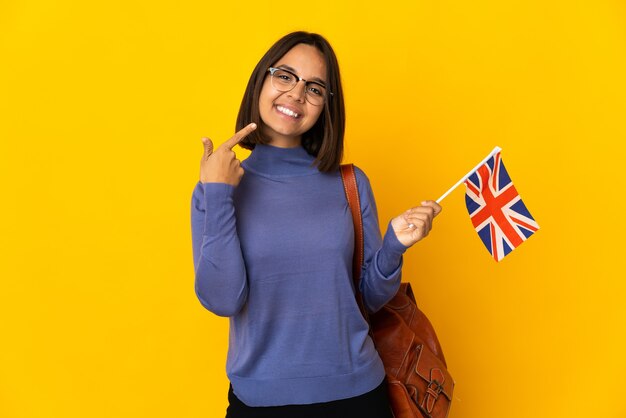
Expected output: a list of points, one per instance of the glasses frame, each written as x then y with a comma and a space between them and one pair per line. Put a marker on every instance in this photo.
329, 93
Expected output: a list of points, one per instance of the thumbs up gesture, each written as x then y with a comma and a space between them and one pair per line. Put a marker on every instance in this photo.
221, 165
415, 224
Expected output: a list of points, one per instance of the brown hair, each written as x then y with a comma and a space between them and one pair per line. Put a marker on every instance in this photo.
325, 139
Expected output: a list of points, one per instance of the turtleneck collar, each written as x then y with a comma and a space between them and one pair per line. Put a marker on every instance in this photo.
269, 160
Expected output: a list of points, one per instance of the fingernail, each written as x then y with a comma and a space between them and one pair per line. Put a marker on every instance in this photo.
254, 125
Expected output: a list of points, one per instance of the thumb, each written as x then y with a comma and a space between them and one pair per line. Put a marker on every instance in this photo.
208, 147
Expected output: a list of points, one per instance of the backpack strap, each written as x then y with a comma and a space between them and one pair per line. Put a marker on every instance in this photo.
352, 194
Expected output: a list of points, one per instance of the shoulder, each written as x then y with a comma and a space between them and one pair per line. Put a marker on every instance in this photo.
362, 181
366, 194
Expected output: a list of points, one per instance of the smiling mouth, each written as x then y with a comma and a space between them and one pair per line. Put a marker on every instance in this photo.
287, 112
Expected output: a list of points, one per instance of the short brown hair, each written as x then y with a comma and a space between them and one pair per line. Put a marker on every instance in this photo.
325, 139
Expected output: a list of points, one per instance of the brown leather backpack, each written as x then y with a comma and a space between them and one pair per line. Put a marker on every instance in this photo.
418, 380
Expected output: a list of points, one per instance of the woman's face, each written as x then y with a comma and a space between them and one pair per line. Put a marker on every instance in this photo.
288, 115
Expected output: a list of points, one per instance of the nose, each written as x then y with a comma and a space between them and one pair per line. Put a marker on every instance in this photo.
297, 92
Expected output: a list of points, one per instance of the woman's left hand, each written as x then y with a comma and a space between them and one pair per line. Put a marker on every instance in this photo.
415, 224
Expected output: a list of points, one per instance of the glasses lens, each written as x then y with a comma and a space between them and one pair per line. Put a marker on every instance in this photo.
315, 93
283, 80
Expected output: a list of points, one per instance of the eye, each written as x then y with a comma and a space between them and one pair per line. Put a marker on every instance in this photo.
316, 89
284, 77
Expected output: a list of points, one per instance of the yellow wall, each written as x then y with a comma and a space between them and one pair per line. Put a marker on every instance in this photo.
102, 106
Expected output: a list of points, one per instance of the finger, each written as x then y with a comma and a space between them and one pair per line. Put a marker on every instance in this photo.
234, 162
426, 210
432, 204
418, 216
422, 222
208, 147
418, 221
241, 134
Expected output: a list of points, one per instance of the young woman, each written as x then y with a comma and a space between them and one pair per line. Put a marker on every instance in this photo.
273, 242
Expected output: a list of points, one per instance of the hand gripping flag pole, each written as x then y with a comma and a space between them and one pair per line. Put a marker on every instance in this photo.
496, 209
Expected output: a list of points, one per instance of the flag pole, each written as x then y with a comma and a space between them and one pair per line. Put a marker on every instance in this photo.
495, 150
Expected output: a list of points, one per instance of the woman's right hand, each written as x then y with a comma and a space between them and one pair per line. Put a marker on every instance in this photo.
221, 165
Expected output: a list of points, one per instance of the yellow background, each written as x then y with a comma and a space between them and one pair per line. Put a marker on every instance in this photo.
102, 106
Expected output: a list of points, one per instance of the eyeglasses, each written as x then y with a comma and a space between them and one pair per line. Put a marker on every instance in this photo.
285, 80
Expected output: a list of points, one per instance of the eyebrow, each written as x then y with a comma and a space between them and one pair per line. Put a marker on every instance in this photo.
314, 79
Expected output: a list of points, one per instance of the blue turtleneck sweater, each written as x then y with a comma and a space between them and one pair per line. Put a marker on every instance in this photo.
275, 255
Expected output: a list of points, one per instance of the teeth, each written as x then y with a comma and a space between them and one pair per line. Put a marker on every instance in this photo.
287, 111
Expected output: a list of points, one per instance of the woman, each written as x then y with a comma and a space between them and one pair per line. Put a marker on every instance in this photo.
273, 248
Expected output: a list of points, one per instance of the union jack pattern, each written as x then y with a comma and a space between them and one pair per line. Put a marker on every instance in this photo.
497, 212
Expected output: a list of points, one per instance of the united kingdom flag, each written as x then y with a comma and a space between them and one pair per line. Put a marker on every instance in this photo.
497, 212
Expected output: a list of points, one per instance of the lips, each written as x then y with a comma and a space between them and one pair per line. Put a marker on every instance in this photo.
289, 111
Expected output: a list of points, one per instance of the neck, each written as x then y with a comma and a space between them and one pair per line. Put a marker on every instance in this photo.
284, 142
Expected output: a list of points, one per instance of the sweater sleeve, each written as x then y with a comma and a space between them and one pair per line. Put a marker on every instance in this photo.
382, 263
220, 274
